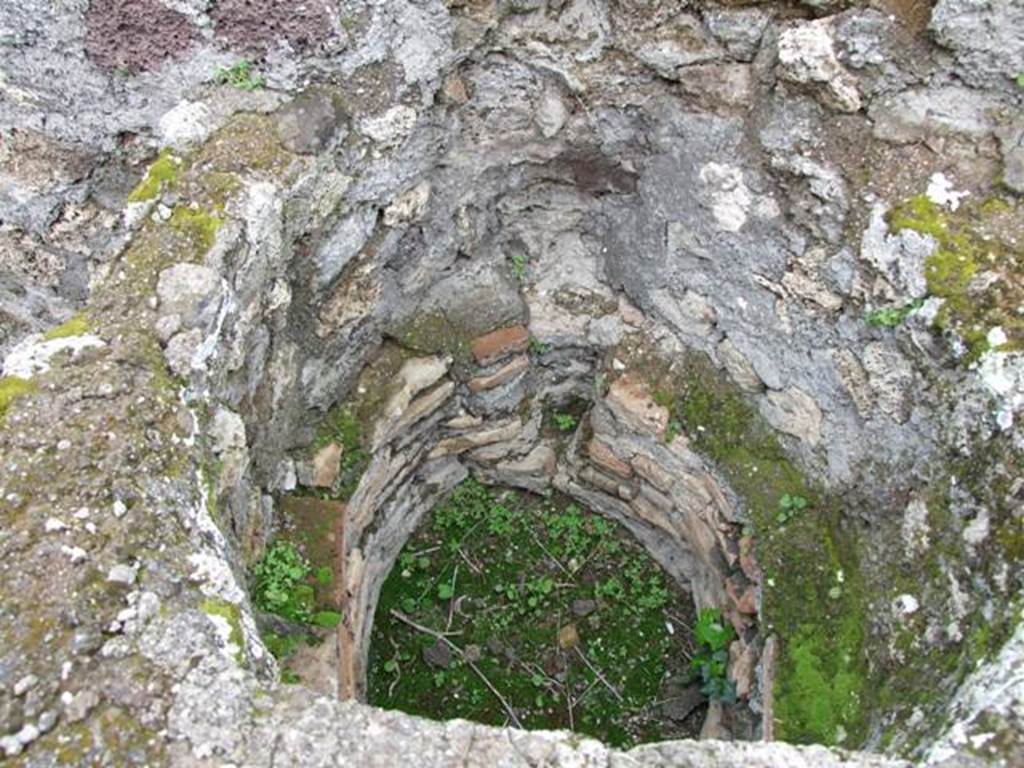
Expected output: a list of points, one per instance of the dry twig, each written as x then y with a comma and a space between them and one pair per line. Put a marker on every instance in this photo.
458, 651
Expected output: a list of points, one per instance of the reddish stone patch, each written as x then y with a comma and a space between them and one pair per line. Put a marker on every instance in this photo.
508, 372
261, 25
495, 345
135, 35
601, 454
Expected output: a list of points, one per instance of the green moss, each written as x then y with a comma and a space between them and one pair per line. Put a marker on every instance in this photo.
76, 326
231, 614
247, 144
163, 171
199, 226
522, 562
967, 245
433, 333
11, 388
812, 599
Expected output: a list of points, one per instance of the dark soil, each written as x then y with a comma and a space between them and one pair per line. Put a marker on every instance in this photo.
554, 609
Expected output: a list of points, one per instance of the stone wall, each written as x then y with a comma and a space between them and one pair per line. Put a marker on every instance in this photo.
820, 203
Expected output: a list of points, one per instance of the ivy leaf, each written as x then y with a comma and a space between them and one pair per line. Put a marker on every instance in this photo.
445, 591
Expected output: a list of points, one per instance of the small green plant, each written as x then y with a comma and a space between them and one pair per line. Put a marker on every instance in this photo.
538, 347
789, 506
281, 646
241, 76
279, 583
890, 317
1020, 80
517, 263
565, 422
713, 635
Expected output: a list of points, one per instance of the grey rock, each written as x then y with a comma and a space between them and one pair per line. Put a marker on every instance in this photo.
347, 239
583, 606
438, 655
181, 350
310, 122
193, 292
122, 575
986, 38
923, 113
739, 30
1011, 142
681, 704
793, 411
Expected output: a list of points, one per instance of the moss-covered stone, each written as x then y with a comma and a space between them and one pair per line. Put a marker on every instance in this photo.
248, 143
232, 615
811, 595
977, 268
433, 333
161, 174
76, 326
196, 224
11, 388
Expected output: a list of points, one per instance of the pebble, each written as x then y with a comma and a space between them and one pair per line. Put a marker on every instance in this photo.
11, 746
27, 734
121, 575
120, 510
77, 554
47, 720
53, 525
25, 684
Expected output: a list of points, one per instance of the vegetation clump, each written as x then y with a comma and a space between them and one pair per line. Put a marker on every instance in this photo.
284, 584
241, 76
891, 317
342, 427
509, 608
713, 635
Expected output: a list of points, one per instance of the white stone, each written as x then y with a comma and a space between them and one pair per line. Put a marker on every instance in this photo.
390, 127
940, 191
54, 525
807, 55
551, 113
77, 554
408, 206
996, 337
905, 605
25, 684
185, 124
119, 509
731, 199
122, 575
226, 431
1002, 374
33, 354
794, 412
